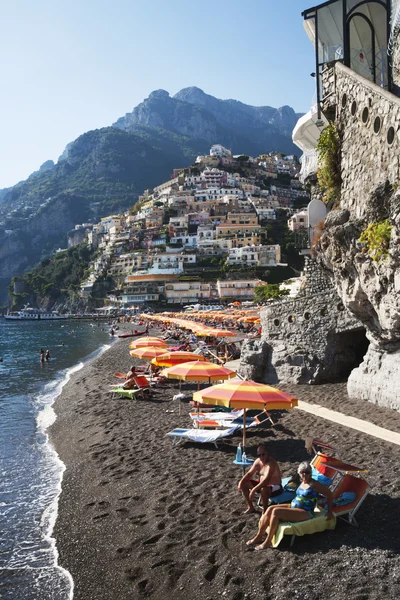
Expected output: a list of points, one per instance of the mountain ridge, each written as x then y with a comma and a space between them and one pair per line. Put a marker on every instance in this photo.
104, 170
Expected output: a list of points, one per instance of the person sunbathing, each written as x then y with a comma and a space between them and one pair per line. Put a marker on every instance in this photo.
300, 509
269, 483
130, 381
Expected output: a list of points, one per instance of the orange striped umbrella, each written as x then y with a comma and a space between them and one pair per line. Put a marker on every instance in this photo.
143, 343
198, 371
169, 359
147, 353
146, 339
223, 333
247, 395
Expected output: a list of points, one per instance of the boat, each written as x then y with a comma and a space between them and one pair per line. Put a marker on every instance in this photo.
128, 335
34, 314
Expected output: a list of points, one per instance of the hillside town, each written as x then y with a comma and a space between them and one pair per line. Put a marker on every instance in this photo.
210, 215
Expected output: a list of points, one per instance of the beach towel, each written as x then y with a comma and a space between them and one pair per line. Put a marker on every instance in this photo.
315, 525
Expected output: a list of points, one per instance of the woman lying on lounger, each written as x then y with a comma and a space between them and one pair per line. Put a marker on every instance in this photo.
300, 509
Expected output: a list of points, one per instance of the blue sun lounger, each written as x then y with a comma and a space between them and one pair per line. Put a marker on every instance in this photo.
202, 436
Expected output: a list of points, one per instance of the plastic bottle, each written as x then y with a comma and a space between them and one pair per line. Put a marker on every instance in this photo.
244, 457
239, 454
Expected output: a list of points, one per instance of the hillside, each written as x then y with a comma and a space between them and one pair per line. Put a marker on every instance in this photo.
105, 170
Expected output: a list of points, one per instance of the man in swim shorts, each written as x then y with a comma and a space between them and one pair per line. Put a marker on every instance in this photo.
268, 483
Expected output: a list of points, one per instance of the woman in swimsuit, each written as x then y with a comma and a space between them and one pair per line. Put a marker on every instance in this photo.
300, 509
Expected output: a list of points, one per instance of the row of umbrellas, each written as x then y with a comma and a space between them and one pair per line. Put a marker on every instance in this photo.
196, 328
233, 393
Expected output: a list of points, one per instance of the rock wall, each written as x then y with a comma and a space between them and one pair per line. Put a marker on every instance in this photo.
310, 339
368, 120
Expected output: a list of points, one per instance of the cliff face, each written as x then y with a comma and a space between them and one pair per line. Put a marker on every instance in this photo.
368, 282
241, 127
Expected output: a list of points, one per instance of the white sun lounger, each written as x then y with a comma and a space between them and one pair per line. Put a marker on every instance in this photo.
216, 416
202, 436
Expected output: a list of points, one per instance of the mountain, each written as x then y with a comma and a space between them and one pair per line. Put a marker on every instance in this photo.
242, 128
105, 170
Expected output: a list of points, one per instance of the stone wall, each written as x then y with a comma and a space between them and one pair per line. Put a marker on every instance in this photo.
310, 339
368, 118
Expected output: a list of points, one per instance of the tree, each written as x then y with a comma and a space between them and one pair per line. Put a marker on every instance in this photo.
271, 291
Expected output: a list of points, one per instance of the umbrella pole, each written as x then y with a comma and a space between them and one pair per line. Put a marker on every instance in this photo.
244, 430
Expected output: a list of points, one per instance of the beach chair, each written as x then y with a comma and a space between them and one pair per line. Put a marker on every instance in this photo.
217, 415
318, 524
346, 479
201, 436
353, 485
225, 423
125, 393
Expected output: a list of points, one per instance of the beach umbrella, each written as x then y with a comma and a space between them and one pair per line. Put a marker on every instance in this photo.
247, 395
169, 359
147, 339
143, 343
223, 333
198, 371
147, 353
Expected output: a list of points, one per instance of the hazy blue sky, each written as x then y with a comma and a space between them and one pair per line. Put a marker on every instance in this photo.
68, 67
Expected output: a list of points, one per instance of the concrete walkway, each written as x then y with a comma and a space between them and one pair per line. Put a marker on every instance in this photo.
340, 418
352, 422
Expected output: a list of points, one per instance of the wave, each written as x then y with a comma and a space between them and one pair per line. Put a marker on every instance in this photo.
32, 567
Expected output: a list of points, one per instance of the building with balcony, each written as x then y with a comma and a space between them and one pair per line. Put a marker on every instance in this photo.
183, 292
298, 221
243, 289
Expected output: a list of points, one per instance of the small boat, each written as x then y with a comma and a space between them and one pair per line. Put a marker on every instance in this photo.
128, 335
34, 314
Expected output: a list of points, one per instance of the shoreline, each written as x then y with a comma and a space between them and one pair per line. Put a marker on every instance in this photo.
140, 518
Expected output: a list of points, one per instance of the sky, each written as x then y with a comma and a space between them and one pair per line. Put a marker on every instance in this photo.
69, 67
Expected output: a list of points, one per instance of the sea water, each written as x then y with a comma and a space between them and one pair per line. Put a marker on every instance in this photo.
30, 469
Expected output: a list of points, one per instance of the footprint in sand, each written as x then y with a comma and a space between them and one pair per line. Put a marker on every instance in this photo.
123, 552
133, 573
102, 516
154, 539
211, 573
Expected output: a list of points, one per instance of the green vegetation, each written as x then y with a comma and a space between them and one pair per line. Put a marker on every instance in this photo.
376, 238
53, 277
272, 291
278, 233
328, 174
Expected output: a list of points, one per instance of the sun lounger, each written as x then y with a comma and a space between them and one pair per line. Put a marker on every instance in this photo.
217, 416
345, 479
286, 496
225, 424
200, 435
315, 525
126, 393
354, 485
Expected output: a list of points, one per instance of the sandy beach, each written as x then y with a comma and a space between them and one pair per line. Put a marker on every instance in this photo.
140, 518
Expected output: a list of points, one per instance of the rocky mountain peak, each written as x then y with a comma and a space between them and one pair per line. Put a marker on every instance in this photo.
159, 94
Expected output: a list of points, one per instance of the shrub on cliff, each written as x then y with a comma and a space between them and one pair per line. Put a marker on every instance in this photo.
376, 238
328, 174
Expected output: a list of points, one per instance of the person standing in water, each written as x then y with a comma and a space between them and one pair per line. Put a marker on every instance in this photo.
47, 355
41, 355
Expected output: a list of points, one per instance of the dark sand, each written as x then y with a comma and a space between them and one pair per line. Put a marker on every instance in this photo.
141, 519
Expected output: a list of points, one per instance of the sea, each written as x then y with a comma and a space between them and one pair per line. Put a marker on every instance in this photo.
30, 470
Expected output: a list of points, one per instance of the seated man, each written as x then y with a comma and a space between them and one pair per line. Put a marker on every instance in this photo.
269, 483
